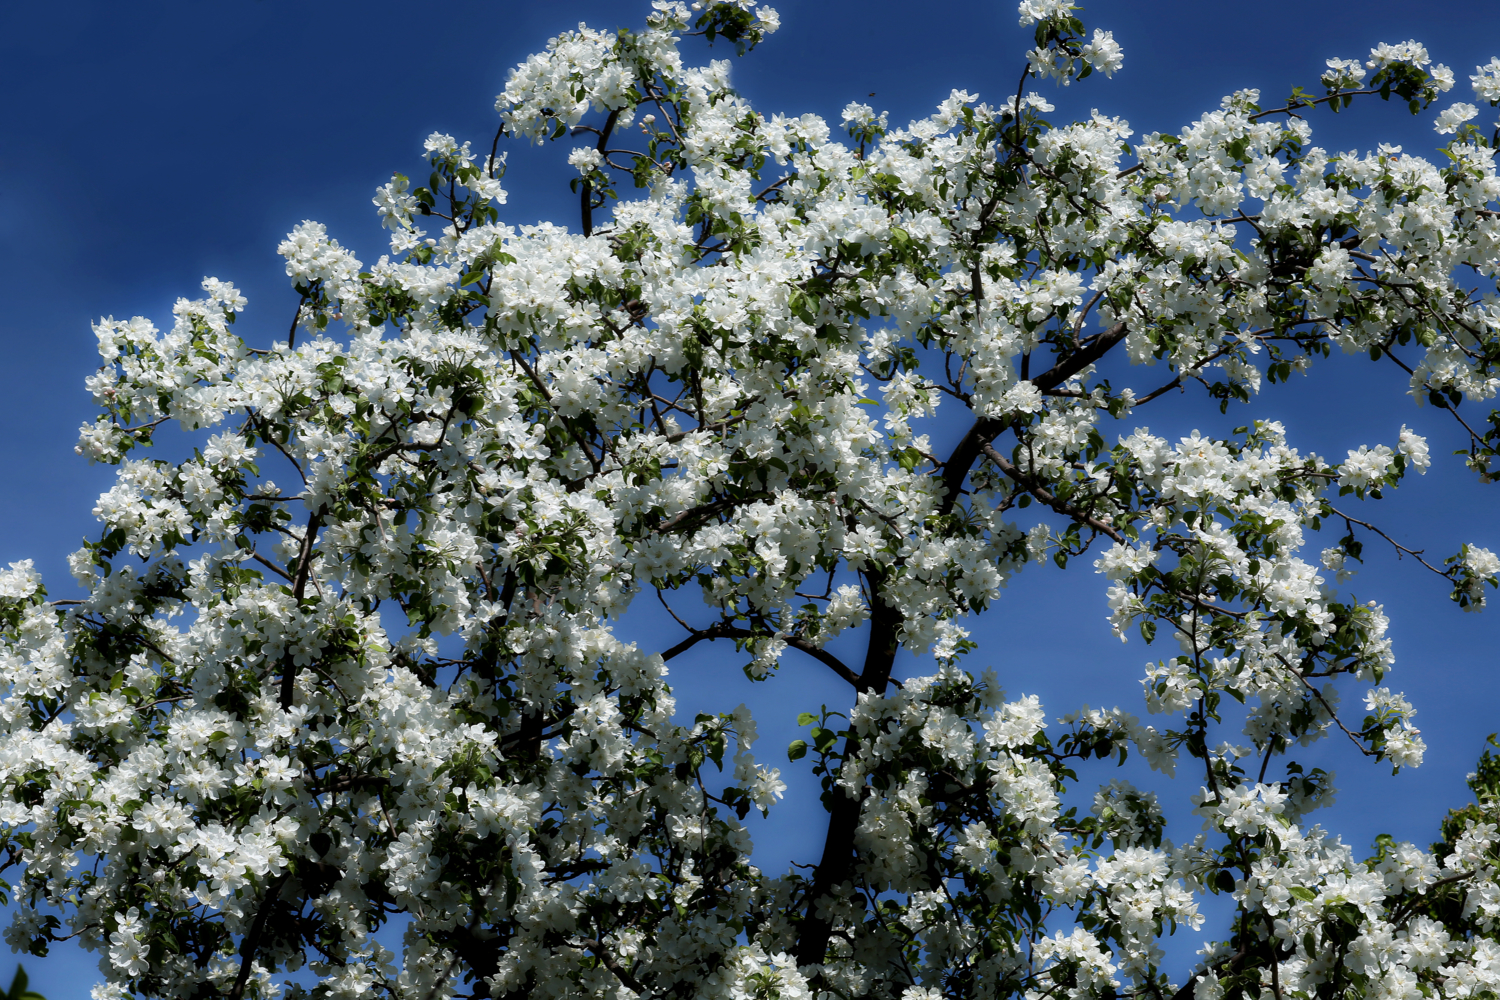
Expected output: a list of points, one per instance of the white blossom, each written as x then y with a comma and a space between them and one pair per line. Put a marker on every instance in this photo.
799, 392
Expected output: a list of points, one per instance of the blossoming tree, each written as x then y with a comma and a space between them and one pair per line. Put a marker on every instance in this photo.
246, 750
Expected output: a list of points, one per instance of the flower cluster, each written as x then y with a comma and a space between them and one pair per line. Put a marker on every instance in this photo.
284, 715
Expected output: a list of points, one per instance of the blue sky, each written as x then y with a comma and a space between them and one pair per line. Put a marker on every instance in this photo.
145, 146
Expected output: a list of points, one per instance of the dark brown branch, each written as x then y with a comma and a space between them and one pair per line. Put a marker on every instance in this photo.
710, 633
1078, 327
723, 630
1405, 910
250, 944
1439, 403
837, 864
586, 195
824, 657
541, 386
1366, 751
348, 783
962, 458
1046, 497
1088, 352
299, 586
304, 558
265, 436
597, 949
986, 429
1191, 371
291, 337
271, 566
703, 512
1294, 107
1401, 550
494, 149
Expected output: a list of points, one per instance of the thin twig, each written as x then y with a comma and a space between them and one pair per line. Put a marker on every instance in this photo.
1402, 549
1046, 497
1329, 708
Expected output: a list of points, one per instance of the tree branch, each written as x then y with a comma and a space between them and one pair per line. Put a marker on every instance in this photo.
704, 511
1366, 751
837, 864
723, 630
587, 188
1046, 497
250, 944
597, 949
299, 586
541, 386
1401, 550
271, 566
986, 429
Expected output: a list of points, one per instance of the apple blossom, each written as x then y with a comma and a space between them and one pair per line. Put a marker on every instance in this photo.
284, 716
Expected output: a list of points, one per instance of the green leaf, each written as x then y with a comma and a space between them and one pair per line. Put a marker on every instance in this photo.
17, 984
797, 750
